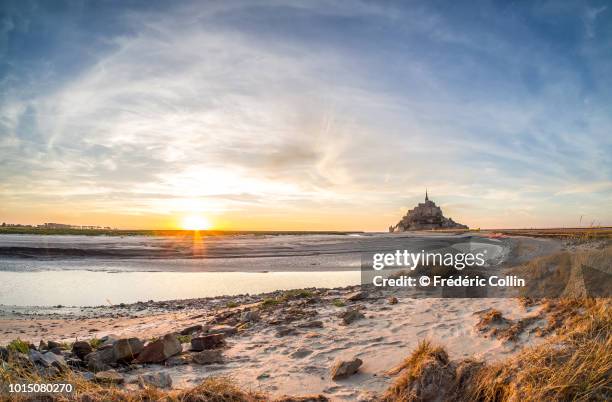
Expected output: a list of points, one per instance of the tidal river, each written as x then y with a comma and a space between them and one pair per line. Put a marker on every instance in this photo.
39, 270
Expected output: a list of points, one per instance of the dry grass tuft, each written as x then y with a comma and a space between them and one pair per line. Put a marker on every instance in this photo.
424, 375
573, 365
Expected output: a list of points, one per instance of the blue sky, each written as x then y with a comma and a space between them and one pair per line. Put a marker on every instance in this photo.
305, 115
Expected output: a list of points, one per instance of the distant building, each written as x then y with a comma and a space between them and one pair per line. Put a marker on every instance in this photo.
425, 216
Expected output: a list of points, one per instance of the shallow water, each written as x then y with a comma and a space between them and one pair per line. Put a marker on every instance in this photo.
84, 270
94, 288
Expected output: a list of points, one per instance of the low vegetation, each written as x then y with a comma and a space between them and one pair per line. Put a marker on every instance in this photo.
573, 365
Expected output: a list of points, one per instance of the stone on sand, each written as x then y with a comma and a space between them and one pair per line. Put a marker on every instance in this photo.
100, 359
208, 357
81, 349
190, 330
226, 330
157, 380
109, 377
127, 349
345, 368
355, 296
207, 342
160, 350
350, 316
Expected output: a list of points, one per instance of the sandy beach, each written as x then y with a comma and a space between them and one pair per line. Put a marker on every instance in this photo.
284, 341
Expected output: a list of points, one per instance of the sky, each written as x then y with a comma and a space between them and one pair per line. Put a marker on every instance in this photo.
306, 115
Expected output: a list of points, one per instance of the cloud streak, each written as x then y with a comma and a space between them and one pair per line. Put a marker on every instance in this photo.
237, 109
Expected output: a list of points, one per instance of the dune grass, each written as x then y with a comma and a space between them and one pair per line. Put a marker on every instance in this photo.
574, 365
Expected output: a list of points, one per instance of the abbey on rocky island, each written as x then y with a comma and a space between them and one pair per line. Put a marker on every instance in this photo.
425, 216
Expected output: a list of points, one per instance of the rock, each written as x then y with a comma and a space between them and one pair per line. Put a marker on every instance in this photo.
355, 296
208, 357
53, 344
42, 345
109, 377
350, 316
81, 349
56, 351
157, 380
207, 342
178, 360
191, 330
75, 363
285, 331
160, 350
47, 359
100, 360
312, 324
392, 300
4, 353
263, 376
300, 353
127, 349
108, 340
345, 368
226, 330
249, 316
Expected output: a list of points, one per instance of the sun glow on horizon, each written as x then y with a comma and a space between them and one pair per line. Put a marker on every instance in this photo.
195, 222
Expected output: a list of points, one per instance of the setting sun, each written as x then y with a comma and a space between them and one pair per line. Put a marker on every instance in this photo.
195, 222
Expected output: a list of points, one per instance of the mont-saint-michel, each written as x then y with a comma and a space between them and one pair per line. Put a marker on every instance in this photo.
425, 216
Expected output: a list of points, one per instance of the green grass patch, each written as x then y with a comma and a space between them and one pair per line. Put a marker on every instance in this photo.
18, 345
338, 303
184, 338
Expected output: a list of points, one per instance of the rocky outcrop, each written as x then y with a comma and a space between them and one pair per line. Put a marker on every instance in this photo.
160, 350
425, 216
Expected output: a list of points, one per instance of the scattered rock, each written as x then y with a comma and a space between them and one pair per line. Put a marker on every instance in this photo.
356, 296
350, 316
109, 377
47, 359
157, 380
300, 353
53, 344
392, 300
160, 350
108, 340
81, 349
75, 363
100, 359
4, 354
312, 324
207, 342
208, 357
127, 349
249, 316
345, 368
226, 330
192, 329
178, 360
285, 331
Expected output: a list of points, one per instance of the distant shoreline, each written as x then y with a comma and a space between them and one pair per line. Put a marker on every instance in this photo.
164, 232
597, 231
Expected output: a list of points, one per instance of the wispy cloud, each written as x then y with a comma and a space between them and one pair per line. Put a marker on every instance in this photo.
238, 108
